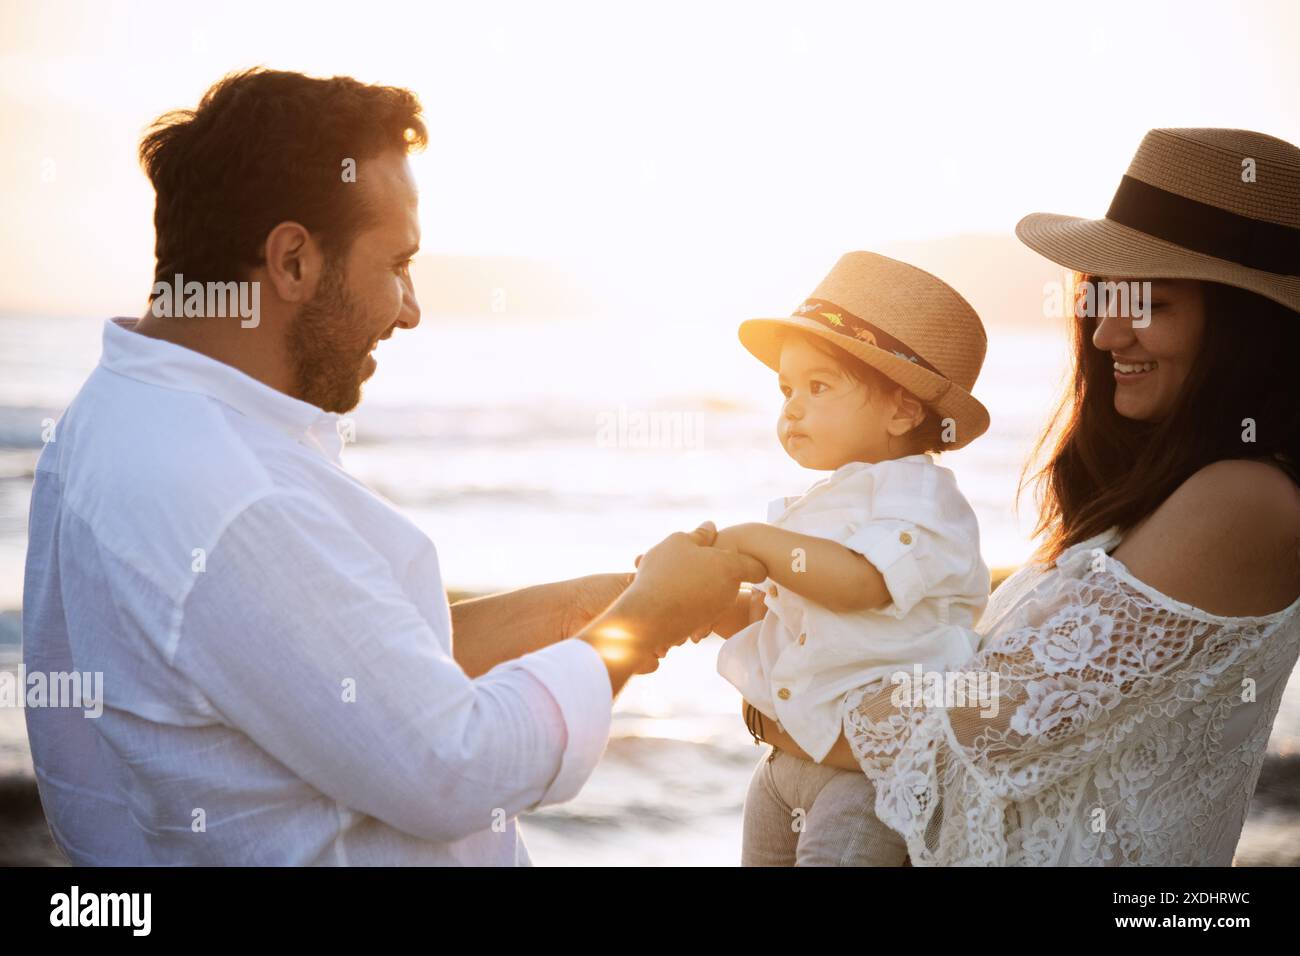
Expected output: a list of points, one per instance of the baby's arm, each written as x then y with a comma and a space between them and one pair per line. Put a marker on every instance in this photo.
821, 570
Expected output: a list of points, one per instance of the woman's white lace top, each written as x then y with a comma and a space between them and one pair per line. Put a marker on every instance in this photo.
1130, 728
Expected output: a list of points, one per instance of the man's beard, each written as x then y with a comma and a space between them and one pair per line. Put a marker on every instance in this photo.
328, 344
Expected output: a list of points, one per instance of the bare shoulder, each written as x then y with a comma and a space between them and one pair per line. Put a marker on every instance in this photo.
1227, 540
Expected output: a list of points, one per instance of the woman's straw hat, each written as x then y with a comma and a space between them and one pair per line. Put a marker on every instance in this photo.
1221, 205
913, 328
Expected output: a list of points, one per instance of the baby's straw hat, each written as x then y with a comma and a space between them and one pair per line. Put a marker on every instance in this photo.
908, 325
1221, 205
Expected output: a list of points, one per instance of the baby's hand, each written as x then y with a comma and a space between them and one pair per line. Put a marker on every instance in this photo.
729, 539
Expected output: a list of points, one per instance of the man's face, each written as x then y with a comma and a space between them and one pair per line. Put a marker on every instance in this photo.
363, 298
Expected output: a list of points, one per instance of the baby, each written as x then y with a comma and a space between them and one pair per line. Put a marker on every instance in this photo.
873, 569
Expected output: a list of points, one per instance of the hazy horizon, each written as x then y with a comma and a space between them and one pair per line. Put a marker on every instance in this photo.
696, 162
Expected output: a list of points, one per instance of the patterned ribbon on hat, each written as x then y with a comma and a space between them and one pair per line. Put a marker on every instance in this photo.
845, 322
1253, 243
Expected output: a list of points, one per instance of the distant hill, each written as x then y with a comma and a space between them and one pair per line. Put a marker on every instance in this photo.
1000, 277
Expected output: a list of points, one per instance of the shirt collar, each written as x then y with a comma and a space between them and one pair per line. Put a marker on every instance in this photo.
778, 506
853, 467
166, 364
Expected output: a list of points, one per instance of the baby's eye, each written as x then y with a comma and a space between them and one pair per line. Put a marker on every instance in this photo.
813, 386
402, 267
785, 390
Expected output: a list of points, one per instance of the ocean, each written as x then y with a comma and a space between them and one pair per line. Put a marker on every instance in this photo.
534, 451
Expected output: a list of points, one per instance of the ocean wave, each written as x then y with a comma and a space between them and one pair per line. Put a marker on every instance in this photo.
22, 426
535, 422
552, 500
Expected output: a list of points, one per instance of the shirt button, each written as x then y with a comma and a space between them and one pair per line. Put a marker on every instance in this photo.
773, 592
905, 538
803, 638
783, 693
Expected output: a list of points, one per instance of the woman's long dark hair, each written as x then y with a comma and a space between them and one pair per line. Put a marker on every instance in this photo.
1106, 470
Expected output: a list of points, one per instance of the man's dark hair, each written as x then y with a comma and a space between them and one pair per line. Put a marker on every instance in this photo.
265, 147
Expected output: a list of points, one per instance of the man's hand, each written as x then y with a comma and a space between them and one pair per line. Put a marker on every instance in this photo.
681, 585
589, 596
736, 618
691, 582
746, 607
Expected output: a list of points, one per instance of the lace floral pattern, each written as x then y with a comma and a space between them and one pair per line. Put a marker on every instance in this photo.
1129, 728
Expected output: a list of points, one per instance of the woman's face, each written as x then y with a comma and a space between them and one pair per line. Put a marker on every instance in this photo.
1151, 363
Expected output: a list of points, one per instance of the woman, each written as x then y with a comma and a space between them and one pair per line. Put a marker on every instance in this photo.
1141, 657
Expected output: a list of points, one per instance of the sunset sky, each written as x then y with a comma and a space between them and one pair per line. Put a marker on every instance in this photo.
698, 154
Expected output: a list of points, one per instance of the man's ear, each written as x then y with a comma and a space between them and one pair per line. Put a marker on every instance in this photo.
294, 262
908, 412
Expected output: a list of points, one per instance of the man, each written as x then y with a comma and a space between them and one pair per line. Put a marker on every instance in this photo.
280, 684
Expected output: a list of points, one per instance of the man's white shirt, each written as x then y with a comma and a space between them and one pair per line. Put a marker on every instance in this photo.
275, 640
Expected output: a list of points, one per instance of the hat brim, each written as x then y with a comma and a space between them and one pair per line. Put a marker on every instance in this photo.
1106, 248
949, 400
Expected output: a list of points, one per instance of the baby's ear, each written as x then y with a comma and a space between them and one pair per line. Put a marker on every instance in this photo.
910, 412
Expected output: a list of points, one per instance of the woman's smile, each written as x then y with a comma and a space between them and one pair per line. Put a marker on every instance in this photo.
1131, 372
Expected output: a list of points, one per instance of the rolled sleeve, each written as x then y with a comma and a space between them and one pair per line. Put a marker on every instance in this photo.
578, 680
896, 549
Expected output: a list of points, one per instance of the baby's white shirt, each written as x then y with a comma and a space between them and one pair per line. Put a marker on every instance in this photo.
908, 518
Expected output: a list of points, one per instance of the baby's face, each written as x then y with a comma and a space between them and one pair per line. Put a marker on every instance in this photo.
828, 418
